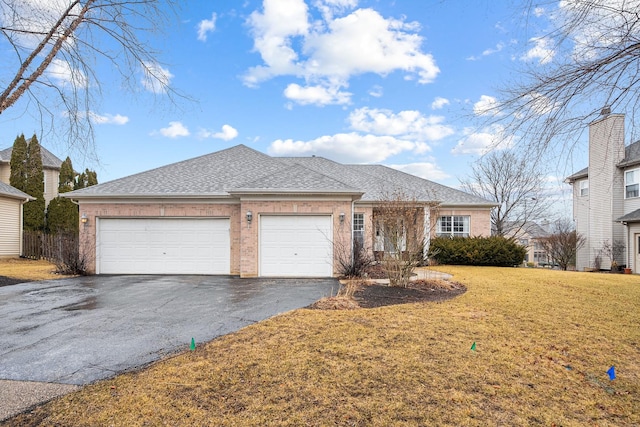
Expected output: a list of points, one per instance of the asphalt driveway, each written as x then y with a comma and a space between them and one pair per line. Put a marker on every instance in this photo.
76, 331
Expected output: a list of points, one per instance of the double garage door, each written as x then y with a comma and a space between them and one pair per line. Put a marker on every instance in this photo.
163, 246
289, 246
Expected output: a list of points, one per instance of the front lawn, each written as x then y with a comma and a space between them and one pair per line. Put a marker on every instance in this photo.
26, 270
544, 342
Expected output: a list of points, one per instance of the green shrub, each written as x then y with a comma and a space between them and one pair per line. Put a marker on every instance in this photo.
481, 251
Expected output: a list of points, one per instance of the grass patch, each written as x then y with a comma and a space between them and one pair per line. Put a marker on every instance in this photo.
27, 269
544, 341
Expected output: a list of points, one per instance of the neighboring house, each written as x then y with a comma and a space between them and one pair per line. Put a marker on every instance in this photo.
50, 168
11, 202
530, 237
606, 196
242, 212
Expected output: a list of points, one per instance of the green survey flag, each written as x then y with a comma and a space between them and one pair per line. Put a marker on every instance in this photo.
473, 346
193, 344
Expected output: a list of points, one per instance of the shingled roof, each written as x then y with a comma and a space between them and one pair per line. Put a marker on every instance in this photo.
49, 160
240, 169
7, 190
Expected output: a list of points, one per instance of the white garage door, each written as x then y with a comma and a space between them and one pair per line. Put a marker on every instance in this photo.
296, 246
163, 246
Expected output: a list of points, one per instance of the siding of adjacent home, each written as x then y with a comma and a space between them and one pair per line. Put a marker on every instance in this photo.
606, 184
632, 204
5, 172
581, 218
10, 219
51, 177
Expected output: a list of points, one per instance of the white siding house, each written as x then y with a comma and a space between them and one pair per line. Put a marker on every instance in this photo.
11, 202
606, 197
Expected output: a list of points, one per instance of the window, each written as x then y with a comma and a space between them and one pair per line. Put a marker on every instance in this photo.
358, 230
584, 188
631, 183
453, 226
524, 242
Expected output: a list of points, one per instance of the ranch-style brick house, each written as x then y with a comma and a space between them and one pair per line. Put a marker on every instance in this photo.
241, 212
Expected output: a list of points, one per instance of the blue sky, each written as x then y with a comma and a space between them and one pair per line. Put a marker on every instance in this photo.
357, 81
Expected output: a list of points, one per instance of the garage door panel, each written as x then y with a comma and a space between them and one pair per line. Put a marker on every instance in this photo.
164, 246
296, 246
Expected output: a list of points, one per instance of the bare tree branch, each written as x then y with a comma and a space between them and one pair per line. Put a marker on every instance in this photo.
73, 37
594, 62
515, 184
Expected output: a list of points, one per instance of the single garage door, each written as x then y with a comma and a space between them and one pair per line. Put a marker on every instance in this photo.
163, 246
296, 246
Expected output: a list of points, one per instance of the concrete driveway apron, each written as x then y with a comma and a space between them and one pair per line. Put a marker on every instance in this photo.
79, 330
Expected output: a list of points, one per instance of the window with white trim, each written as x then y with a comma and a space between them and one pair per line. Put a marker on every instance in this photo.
358, 230
632, 183
453, 226
584, 188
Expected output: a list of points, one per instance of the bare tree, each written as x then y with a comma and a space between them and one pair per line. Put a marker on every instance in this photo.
614, 251
590, 63
59, 47
353, 256
563, 243
515, 184
400, 222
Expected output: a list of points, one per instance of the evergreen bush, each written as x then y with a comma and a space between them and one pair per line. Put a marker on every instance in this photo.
481, 251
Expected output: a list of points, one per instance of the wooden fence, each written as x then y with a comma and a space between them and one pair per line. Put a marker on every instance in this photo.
52, 247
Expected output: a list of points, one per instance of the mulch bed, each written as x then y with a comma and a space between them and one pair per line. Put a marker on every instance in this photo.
377, 295
372, 295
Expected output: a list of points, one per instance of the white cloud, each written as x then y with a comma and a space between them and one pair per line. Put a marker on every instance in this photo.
483, 141
328, 53
108, 119
344, 147
538, 11
329, 7
439, 103
62, 72
488, 52
409, 124
487, 106
155, 78
365, 42
227, 134
272, 32
376, 91
317, 95
426, 170
175, 130
206, 26
541, 51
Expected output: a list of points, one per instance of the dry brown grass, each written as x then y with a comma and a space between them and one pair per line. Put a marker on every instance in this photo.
27, 269
544, 341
